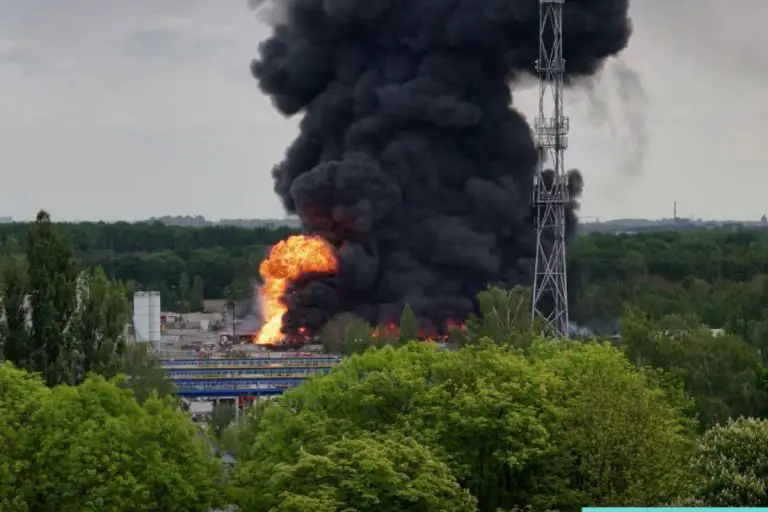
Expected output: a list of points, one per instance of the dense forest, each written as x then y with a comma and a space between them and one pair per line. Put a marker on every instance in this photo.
668, 413
692, 271
185, 264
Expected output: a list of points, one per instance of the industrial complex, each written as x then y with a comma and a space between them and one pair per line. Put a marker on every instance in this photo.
206, 372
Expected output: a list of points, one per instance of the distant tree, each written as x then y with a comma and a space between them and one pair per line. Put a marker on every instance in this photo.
409, 325
195, 298
505, 317
239, 291
346, 334
144, 373
723, 374
52, 275
221, 419
184, 288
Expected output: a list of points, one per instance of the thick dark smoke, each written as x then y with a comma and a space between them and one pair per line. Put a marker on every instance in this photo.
410, 158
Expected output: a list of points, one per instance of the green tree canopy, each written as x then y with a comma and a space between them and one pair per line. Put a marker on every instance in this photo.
370, 473
93, 447
514, 430
733, 462
722, 373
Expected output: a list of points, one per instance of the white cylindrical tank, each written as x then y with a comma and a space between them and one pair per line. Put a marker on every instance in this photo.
141, 316
155, 332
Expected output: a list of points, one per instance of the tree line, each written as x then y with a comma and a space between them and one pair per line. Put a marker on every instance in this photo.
720, 276
667, 272
185, 264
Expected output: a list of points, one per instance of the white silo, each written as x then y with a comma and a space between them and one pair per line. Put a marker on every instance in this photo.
146, 316
155, 332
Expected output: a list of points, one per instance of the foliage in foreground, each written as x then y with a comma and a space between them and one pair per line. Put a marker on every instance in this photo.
733, 462
94, 448
553, 429
372, 472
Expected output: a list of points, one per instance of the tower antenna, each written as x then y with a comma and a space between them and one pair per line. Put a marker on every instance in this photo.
550, 196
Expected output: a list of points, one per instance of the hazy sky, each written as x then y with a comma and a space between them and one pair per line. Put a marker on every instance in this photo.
126, 109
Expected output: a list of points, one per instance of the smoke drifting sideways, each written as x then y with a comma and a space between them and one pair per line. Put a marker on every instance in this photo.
410, 159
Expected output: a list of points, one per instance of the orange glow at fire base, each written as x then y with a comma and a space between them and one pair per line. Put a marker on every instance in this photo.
287, 261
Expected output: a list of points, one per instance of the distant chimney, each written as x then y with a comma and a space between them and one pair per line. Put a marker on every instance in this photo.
674, 210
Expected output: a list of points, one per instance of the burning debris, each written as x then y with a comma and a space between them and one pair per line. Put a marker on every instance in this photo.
411, 170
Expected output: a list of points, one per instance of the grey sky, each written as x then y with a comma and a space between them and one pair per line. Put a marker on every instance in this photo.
125, 109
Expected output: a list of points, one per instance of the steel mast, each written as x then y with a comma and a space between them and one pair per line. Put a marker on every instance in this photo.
550, 290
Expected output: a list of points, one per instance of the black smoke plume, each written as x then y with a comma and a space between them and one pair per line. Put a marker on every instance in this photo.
410, 158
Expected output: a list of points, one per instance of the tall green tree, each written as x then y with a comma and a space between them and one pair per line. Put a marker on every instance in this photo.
52, 276
184, 289
14, 313
56, 320
196, 294
409, 325
98, 326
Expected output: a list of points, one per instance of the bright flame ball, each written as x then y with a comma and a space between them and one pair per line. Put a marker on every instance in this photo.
288, 260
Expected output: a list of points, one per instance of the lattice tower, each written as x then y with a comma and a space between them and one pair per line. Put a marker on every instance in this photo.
550, 290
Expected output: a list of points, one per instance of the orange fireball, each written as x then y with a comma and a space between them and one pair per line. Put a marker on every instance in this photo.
287, 261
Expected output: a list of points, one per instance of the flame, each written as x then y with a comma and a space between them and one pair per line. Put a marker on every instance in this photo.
287, 261
391, 329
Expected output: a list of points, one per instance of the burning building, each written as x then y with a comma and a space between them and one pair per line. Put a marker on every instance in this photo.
411, 171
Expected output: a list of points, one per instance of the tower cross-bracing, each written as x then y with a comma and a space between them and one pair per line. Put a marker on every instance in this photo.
550, 291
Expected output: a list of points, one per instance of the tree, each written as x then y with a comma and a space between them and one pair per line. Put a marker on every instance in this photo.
184, 289
628, 429
14, 317
55, 320
52, 276
196, 294
346, 334
92, 447
733, 462
99, 322
722, 373
514, 429
20, 397
221, 419
409, 325
370, 473
505, 317
144, 373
